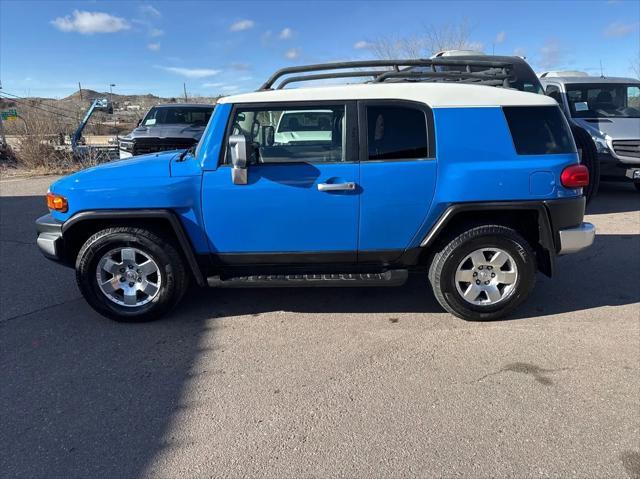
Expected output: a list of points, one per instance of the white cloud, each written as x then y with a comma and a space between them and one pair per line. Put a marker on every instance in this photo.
191, 72
247, 78
362, 45
150, 11
88, 23
230, 88
154, 47
500, 37
552, 55
292, 53
285, 34
212, 85
619, 29
241, 25
242, 67
156, 32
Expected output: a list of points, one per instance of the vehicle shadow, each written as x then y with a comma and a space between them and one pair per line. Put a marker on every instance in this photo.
81, 396
615, 197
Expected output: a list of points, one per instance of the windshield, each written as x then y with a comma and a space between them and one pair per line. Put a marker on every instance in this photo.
177, 115
604, 100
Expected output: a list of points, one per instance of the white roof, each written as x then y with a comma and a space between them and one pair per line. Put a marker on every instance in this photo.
436, 95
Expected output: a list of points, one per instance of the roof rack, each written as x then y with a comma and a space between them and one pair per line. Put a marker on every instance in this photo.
495, 73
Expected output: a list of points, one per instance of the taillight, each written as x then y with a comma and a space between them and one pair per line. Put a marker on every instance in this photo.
57, 203
574, 176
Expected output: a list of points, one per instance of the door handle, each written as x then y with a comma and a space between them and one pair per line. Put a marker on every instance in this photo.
349, 186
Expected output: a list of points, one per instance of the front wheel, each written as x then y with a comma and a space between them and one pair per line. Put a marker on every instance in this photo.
484, 273
130, 274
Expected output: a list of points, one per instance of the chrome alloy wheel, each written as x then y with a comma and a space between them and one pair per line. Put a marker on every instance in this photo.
486, 277
128, 277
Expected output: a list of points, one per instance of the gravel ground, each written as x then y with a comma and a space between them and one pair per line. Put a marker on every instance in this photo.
325, 382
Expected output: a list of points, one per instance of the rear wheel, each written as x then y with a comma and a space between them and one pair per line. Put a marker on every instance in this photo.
130, 274
484, 273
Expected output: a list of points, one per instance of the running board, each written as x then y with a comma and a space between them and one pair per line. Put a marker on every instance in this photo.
395, 277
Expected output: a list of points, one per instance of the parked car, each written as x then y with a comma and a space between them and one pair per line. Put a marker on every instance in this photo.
173, 126
478, 186
519, 75
609, 110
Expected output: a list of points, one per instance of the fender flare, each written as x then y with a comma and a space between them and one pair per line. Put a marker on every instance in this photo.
183, 240
546, 235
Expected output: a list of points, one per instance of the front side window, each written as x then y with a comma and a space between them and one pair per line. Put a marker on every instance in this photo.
396, 133
604, 100
292, 134
539, 130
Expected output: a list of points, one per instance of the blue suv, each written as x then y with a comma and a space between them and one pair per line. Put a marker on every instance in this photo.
478, 186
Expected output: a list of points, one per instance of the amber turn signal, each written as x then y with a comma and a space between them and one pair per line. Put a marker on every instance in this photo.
57, 203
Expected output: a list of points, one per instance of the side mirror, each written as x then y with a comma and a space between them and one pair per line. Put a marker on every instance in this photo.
238, 149
139, 121
269, 133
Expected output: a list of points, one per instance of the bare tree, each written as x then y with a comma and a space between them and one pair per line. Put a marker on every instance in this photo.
634, 66
432, 40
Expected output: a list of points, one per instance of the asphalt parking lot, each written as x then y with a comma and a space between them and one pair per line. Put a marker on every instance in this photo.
323, 383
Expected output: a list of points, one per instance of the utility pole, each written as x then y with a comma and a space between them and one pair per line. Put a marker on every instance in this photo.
80, 90
184, 86
111, 85
3, 140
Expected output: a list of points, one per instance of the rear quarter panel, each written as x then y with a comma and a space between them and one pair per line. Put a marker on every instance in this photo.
477, 162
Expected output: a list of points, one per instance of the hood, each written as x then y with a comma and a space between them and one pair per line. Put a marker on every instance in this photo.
166, 131
615, 128
145, 166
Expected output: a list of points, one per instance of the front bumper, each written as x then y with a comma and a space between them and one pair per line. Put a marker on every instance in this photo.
50, 241
577, 238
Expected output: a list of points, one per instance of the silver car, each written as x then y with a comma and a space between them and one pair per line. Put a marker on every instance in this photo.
609, 110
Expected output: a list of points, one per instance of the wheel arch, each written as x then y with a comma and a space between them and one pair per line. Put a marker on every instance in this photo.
529, 219
77, 229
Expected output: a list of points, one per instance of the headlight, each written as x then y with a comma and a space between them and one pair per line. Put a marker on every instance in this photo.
601, 144
126, 145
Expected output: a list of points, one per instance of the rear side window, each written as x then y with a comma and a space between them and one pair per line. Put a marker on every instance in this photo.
539, 130
396, 133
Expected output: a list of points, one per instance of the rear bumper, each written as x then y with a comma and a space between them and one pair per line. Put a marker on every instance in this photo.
50, 241
577, 238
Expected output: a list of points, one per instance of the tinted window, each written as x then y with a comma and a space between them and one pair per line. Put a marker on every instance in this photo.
396, 133
554, 92
539, 130
293, 134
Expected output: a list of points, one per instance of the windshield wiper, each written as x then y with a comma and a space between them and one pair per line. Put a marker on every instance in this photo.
191, 149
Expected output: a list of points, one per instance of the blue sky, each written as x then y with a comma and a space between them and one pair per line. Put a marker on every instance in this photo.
46, 47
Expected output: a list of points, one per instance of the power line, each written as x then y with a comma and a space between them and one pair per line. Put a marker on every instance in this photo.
32, 100
37, 107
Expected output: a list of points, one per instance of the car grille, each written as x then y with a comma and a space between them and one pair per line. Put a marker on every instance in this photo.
629, 148
153, 145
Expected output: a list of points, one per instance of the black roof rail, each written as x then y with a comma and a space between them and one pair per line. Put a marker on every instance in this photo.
497, 72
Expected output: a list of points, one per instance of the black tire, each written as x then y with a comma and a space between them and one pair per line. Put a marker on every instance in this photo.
637, 185
589, 158
445, 262
163, 252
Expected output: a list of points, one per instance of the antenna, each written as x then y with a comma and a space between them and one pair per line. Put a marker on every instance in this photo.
601, 71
